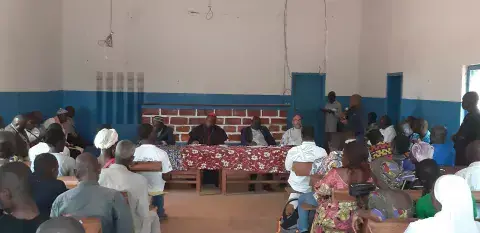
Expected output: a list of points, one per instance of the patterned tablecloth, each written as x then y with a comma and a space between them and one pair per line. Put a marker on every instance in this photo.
175, 156
252, 159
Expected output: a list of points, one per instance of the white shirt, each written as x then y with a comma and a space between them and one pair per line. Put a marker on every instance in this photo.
41, 148
307, 152
388, 133
292, 137
257, 137
66, 164
118, 177
472, 175
151, 153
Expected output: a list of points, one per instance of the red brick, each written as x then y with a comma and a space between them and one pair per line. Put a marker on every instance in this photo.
239, 112
253, 112
220, 121
184, 129
247, 121
178, 120
230, 129
151, 111
184, 137
203, 112
233, 121
274, 128
223, 112
146, 120
171, 112
177, 137
270, 113
186, 112
196, 120
284, 127
278, 121
234, 137
283, 113
265, 121
166, 120
277, 136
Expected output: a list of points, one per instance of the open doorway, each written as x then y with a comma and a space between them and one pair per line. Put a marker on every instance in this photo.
394, 96
473, 79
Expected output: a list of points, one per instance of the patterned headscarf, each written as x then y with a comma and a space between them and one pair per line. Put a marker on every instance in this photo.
422, 151
389, 172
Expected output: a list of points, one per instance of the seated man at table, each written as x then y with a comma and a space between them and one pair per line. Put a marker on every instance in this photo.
34, 128
20, 213
208, 133
257, 135
308, 152
60, 118
55, 144
164, 133
17, 127
293, 136
89, 199
149, 152
118, 177
45, 185
61, 225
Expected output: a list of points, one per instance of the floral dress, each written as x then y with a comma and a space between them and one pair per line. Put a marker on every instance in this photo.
332, 217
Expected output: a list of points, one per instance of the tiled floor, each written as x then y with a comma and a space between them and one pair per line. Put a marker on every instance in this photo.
252, 213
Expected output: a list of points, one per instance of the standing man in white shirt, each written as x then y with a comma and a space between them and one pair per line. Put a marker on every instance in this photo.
149, 152
293, 136
308, 152
387, 129
332, 111
118, 177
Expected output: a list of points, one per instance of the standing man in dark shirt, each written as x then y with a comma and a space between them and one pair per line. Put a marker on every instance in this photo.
353, 118
20, 214
163, 132
208, 133
469, 130
45, 185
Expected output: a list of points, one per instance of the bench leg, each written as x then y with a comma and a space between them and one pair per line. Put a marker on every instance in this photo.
198, 179
223, 184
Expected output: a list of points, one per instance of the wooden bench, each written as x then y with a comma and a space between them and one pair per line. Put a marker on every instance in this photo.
146, 167
387, 226
279, 178
192, 176
70, 181
91, 225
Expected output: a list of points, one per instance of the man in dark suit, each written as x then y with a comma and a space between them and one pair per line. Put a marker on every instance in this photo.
163, 132
257, 135
208, 133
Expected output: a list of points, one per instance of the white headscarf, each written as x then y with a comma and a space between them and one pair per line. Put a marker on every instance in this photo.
105, 138
456, 215
422, 151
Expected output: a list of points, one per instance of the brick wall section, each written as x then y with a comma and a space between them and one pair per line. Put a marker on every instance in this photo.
231, 120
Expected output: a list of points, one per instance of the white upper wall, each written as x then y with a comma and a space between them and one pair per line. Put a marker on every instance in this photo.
239, 51
428, 40
30, 45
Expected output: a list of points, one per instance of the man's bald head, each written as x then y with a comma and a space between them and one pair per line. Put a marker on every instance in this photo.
14, 185
19, 122
124, 152
61, 225
470, 101
355, 100
87, 167
7, 144
473, 151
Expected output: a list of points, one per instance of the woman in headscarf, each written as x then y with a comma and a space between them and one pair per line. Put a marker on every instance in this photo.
336, 216
428, 172
105, 140
388, 201
452, 198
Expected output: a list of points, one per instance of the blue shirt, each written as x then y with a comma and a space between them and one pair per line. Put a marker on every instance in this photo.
45, 191
444, 154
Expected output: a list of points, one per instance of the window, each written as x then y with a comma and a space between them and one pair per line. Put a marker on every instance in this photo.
472, 82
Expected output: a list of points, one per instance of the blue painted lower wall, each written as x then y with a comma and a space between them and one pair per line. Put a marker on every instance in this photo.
123, 110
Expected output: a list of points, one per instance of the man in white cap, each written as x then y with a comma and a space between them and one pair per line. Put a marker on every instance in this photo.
60, 118
118, 177
106, 140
